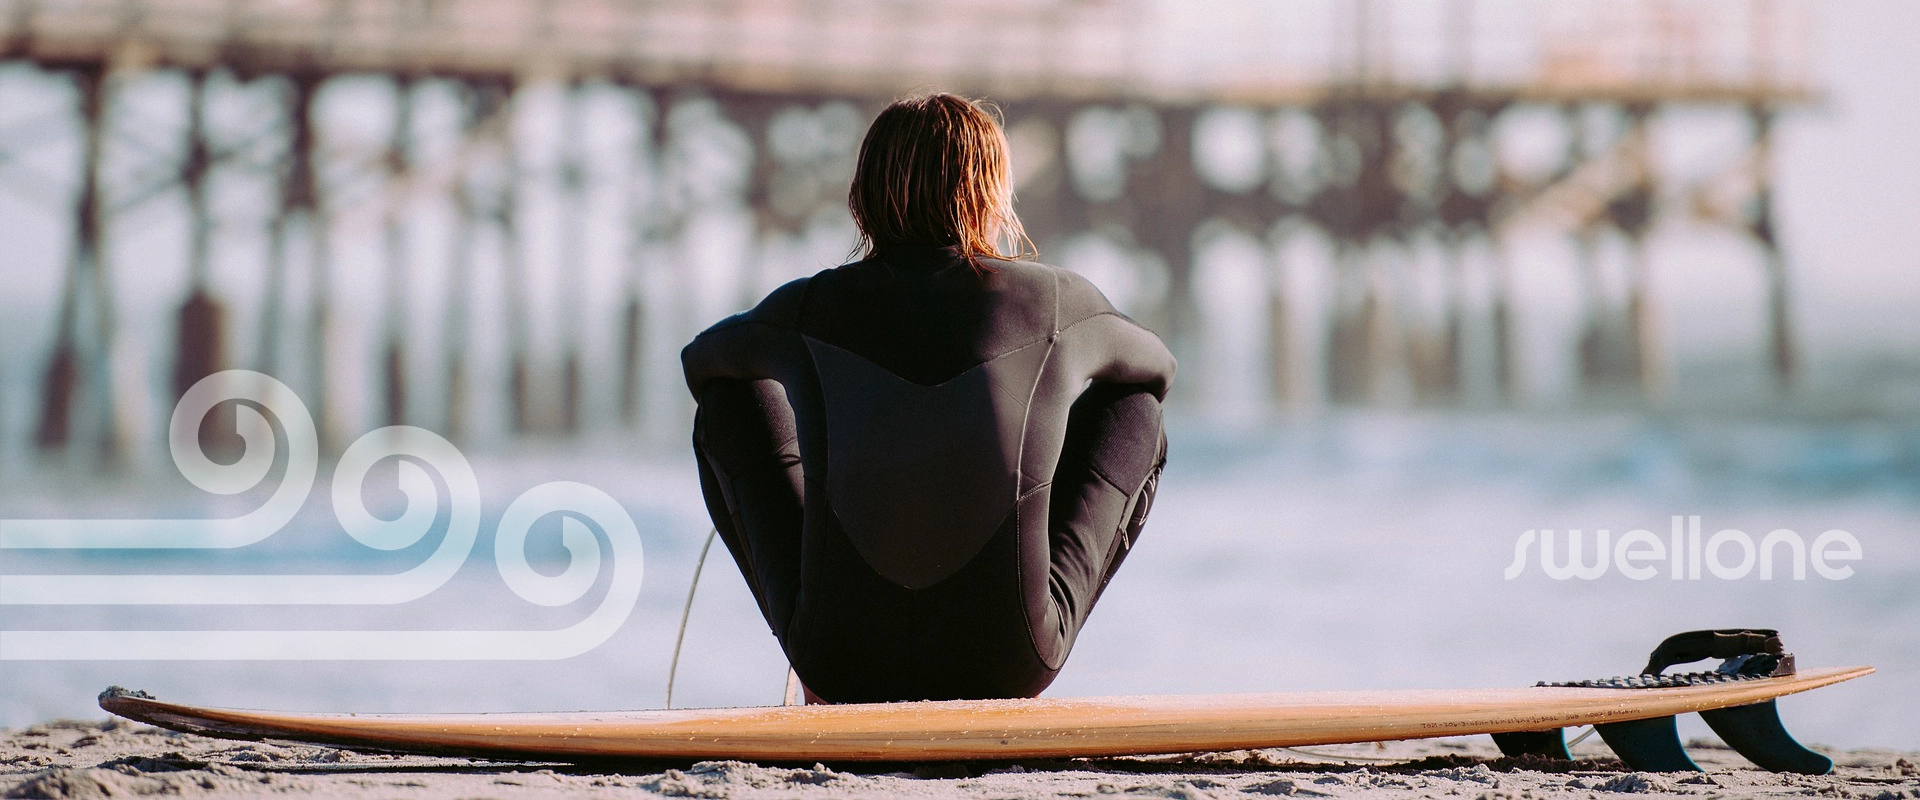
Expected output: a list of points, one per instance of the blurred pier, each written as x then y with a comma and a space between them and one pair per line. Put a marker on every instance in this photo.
487, 152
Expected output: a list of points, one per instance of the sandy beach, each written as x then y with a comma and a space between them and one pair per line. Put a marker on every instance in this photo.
114, 758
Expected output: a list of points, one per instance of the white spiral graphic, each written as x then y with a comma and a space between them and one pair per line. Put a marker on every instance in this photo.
183, 439
423, 505
510, 541
423, 500
423, 454
573, 499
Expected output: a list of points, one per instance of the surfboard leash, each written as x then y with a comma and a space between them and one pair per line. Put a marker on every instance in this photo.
686, 612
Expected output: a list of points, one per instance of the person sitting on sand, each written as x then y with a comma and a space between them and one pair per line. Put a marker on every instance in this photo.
928, 463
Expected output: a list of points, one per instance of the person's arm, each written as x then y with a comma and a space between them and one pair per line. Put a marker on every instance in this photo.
1133, 355
751, 345
1105, 346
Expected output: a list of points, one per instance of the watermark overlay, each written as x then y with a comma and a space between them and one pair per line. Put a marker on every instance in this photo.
577, 503
1728, 554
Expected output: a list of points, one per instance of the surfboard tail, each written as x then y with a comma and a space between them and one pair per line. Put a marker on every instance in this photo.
1753, 730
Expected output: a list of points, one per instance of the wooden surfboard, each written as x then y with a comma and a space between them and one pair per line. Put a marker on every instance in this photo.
976, 729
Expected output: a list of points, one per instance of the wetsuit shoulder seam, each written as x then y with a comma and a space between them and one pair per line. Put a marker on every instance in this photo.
781, 315
1038, 339
730, 324
1098, 314
1057, 280
800, 308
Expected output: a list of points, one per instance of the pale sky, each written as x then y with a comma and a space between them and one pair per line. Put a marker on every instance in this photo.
1850, 180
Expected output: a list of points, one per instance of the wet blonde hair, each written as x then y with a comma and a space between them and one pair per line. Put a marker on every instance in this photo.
933, 170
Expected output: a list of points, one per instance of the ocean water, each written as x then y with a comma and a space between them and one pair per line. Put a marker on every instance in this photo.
1333, 551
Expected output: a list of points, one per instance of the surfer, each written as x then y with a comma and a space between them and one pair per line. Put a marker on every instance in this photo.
929, 462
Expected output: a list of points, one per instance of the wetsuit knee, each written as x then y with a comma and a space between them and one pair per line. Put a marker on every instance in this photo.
1117, 431
743, 425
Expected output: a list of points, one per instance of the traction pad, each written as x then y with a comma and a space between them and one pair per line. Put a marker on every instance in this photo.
1738, 668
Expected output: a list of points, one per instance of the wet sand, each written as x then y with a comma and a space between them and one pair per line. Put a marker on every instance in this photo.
115, 759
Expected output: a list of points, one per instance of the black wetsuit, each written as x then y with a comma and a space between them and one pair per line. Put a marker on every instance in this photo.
928, 474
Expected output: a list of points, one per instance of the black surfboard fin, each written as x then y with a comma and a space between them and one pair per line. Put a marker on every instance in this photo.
1550, 743
1754, 731
1648, 745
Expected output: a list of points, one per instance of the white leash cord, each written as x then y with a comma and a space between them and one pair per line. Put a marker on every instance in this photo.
673, 667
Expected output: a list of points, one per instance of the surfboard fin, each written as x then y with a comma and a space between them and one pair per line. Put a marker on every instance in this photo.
1754, 731
1550, 743
1648, 745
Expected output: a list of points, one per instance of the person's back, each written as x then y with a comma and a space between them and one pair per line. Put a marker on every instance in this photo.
928, 463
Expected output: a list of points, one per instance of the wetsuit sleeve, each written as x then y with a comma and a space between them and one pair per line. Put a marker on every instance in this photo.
1133, 355
1101, 344
753, 345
